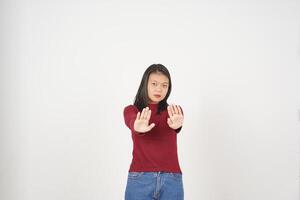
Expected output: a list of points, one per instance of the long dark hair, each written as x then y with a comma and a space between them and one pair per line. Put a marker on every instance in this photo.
141, 98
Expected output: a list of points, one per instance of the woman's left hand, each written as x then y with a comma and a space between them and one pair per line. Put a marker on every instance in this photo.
175, 119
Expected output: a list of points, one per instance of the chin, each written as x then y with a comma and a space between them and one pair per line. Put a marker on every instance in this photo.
155, 101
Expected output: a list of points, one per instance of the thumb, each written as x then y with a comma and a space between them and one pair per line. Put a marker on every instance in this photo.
169, 121
151, 126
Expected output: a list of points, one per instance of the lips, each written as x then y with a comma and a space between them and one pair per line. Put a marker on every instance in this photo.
157, 96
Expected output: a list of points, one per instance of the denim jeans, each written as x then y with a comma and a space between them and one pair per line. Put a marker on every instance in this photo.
154, 186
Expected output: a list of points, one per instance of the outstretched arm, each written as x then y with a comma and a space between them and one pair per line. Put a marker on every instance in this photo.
136, 121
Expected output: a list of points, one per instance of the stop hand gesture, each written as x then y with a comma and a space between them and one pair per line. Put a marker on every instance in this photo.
175, 119
141, 123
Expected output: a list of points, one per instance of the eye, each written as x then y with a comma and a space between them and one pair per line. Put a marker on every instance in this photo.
154, 84
165, 86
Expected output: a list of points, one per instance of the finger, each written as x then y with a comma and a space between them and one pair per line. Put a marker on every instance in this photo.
138, 116
169, 111
180, 110
143, 113
176, 109
169, 121
173, 109
148, 115
151, 126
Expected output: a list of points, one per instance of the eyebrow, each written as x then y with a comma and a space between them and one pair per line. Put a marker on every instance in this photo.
158, 82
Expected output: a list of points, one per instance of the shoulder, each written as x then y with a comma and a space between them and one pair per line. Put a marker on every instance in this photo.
130, 108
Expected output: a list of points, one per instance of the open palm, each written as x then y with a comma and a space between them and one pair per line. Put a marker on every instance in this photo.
141, 123
175, 119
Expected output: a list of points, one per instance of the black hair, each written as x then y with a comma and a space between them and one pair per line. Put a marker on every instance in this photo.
141, 99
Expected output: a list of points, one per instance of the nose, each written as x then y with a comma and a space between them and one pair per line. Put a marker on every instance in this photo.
159, 88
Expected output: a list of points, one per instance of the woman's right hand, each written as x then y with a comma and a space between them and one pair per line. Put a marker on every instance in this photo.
141, 123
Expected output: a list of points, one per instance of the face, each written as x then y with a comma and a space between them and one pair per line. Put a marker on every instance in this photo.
158, 85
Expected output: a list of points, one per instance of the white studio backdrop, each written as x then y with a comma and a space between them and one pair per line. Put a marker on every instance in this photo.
68, 68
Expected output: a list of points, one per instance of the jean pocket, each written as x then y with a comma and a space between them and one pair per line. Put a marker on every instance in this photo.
135, 175
176, 176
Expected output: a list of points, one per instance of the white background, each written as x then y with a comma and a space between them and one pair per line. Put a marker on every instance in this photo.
68, 68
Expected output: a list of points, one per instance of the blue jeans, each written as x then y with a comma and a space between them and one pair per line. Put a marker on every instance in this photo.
154, 186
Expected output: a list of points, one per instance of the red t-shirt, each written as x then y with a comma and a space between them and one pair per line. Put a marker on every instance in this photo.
155, 150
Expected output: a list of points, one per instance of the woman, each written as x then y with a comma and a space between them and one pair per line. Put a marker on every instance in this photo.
154, 172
